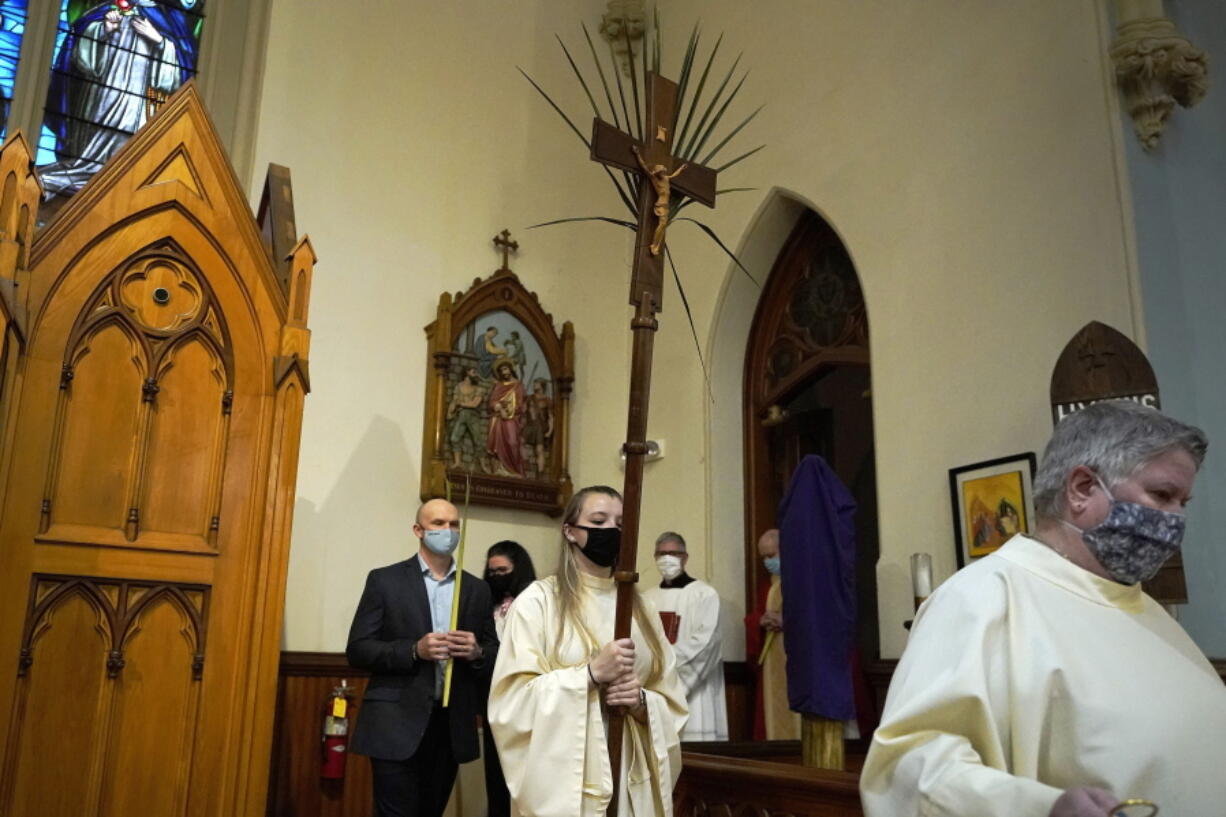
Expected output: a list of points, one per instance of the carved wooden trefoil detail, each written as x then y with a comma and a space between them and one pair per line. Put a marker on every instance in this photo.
153, 346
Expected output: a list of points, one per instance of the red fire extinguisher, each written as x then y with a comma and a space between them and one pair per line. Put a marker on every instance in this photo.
336, 733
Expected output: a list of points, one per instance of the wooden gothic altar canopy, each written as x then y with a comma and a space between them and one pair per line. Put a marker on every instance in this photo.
153, 368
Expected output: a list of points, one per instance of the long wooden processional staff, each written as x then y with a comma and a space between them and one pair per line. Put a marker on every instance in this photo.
659, 183
661, 172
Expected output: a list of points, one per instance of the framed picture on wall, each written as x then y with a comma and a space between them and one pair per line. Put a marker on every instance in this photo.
991, 501
499, 378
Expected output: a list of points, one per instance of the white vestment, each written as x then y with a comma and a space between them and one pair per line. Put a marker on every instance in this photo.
699, 653
1026, 675
547, 720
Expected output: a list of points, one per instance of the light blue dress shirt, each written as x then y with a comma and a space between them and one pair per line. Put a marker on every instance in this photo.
440, 593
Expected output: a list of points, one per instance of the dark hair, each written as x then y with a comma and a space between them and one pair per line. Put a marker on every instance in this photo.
521, 564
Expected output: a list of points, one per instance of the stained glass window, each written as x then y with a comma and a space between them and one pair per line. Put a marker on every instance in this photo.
12, 29
114, 63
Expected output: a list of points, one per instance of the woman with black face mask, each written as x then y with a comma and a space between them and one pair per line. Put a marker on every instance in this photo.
559, 670
508, 570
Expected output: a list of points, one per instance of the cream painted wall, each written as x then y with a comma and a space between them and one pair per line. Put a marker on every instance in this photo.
966, 154
968, 157
411, 143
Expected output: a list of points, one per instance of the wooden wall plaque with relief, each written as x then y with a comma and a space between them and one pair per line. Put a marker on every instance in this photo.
498, 389
1101, 363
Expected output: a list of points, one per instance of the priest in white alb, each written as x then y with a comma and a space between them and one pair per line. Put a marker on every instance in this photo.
554, 683
689, 609
1041, 681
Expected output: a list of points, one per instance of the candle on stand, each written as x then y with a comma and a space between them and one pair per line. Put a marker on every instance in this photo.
921, 577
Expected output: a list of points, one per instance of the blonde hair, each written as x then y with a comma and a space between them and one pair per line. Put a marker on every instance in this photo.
570, 589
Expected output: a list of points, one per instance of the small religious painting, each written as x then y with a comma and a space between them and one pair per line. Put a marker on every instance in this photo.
992, 501
498, 396
500, 412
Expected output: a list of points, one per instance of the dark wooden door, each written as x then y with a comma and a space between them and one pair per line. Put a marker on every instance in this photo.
807, 390
809, 431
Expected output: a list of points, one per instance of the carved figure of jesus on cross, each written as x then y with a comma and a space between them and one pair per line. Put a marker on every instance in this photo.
660, 174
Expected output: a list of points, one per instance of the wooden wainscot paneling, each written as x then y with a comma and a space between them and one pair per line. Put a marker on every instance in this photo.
295, 788
718, 785
739, 698
741, 778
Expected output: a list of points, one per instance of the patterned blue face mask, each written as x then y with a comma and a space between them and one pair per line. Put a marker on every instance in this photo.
1135, 540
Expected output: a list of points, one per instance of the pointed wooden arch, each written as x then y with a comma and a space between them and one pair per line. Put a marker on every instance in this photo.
1101, 363
811, 317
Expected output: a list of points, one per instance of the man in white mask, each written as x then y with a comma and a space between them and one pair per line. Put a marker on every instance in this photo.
1041, 681
689, 609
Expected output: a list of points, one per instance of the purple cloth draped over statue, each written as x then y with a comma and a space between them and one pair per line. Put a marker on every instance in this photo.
817, 548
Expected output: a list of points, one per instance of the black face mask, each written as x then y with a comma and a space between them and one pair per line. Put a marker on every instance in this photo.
500, 584
602, 545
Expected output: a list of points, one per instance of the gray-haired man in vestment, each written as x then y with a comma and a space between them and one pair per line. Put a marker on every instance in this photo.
1041, 681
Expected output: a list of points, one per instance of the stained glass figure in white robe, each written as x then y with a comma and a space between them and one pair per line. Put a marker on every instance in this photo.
111, 59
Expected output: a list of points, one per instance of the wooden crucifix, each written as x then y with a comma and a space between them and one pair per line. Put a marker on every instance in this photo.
660, 174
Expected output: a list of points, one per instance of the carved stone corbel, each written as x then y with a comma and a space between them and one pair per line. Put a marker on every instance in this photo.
1155, 67
622, 26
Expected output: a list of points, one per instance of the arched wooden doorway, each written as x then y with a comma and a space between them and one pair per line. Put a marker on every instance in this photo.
807, 391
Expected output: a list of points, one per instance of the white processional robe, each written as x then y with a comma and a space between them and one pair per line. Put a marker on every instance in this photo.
1026, 675
547, 718
699, 653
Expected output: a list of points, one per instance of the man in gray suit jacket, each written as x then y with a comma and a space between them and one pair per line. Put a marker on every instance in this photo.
401, 633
